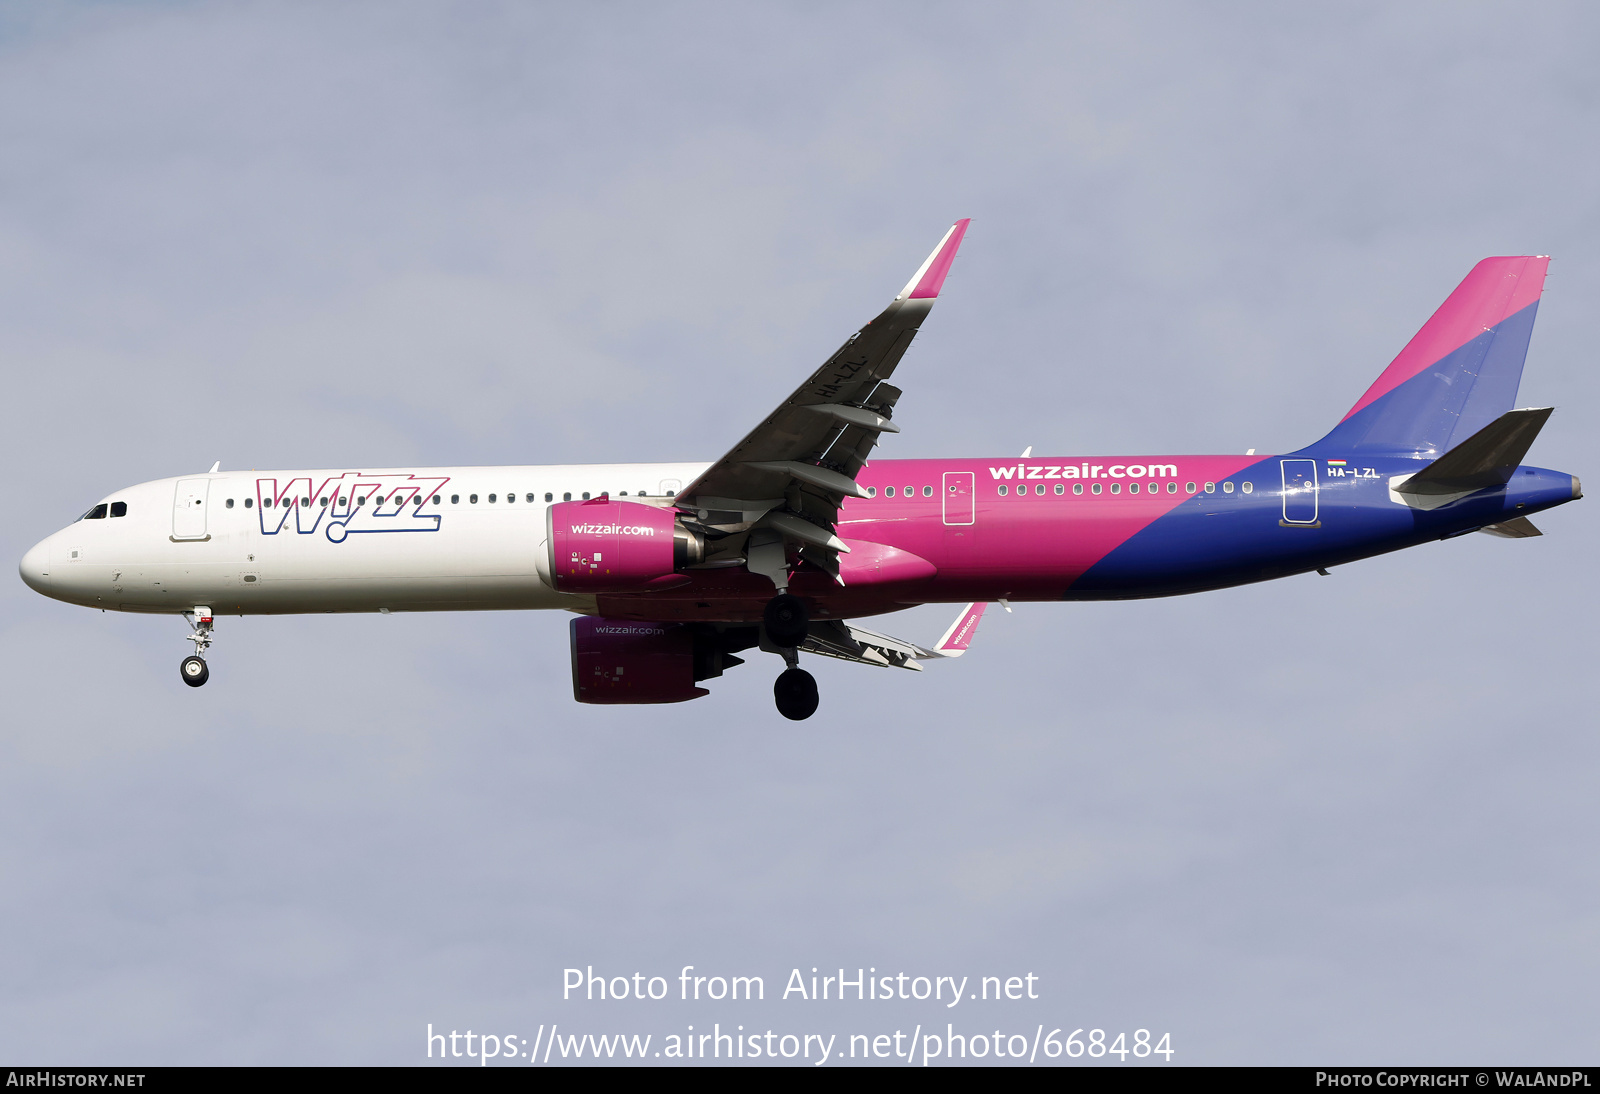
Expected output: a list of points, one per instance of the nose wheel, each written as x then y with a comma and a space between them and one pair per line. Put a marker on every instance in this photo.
193, 669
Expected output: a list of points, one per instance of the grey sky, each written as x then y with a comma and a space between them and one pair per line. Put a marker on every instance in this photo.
1347, 820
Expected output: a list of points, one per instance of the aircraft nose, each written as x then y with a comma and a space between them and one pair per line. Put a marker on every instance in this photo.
35, 568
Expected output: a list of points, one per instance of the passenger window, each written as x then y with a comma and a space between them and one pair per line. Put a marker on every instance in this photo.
1077, 488
324, 503
586, 495
872, 491
1227, 488
473, 498
1155, 488
927, 491
1039, 489
1116, 488
436, 499
120, 508
623, 494
1096, 488
1188, 487
1060, 489
547, 496
531, 498
491, 499
1172, 488
229, 504
1133, 488
910, 491
567, 496
510, 498
455, 499
888, 491
1249, 486
1004, 490
1211, 488
361, 501
249, 503
307, 502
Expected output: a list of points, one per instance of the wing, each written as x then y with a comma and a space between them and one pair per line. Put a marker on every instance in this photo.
832, 638
780, 488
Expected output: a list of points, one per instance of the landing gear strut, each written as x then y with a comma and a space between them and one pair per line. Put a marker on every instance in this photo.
194, 670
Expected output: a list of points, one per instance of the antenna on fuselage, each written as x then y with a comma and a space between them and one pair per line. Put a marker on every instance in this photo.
215, 468
1026, 452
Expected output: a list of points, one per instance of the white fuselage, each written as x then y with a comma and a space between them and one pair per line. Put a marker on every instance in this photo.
274, 542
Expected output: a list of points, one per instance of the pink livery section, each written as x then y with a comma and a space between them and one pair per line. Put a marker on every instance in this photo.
960, 530
1031, 524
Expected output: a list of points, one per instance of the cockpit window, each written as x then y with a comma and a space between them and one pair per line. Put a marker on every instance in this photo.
97, 513
119, 508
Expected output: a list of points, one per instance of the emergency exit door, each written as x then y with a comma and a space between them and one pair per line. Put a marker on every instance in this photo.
958, 500
189, 509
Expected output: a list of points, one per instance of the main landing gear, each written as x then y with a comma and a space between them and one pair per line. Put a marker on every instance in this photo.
193, 669
796, 693
784, 622
786, 618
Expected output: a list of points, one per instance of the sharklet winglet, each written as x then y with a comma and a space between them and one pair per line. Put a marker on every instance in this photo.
929, 278
959, 636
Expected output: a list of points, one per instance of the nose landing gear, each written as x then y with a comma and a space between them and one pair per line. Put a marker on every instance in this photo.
193, 669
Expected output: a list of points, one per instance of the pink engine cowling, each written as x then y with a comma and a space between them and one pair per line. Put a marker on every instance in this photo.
621, 661
616, 546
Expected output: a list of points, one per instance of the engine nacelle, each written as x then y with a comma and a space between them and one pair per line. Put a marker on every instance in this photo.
621, 661
606, 546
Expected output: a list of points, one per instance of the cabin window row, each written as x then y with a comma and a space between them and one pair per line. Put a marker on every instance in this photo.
400, 499
1116, 488
907, 491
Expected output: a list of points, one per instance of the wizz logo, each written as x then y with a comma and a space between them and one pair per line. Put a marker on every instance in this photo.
353, 502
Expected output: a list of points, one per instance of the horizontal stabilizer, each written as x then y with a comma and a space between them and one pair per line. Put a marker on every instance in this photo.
1487, 458
1515, 528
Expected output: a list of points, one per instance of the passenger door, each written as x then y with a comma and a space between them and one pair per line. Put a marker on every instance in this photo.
958, 497
189, 509
1299, 491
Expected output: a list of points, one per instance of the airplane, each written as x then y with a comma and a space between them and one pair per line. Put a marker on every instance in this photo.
673, 569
